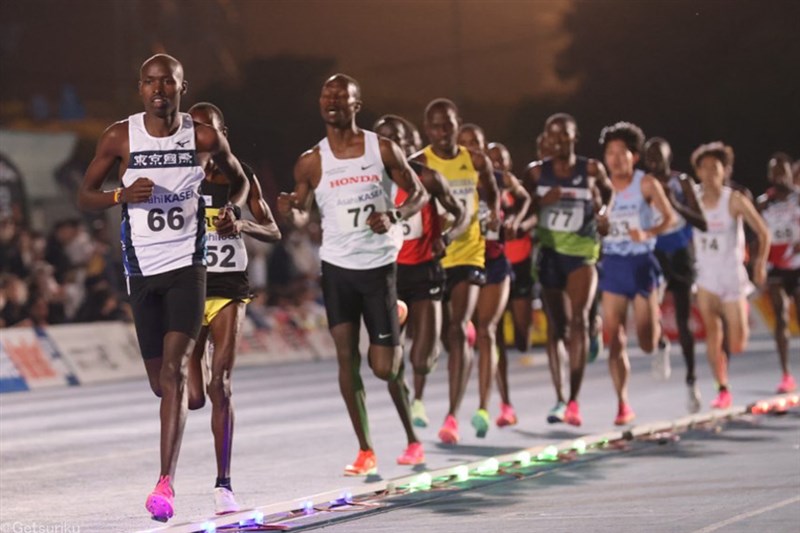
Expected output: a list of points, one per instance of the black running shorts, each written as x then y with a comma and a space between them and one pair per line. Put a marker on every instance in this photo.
424, 281
350, 294
172, 301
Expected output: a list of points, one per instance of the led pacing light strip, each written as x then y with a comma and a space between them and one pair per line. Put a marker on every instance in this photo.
367, 494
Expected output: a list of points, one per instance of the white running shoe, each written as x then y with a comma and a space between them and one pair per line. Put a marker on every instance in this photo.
693, 401
661, 369
224, 502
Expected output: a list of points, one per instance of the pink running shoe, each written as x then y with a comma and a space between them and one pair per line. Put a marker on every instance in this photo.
572, 415
625, 415
723, 400
448, 434
507, 416
160, 502
788, 384
414, 455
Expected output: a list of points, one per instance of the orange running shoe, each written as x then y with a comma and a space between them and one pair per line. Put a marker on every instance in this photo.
572, 415
625, 415
788, 384
365, 464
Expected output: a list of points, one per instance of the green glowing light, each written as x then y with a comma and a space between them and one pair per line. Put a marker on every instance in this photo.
488, 467
462, 473
579, 446
523, 458
421, 482
549, 454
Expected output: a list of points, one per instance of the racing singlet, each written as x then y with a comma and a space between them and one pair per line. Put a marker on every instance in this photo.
469, 248
227, 256
166, 232
348, 192
419, 231
517, 250
568, 226
720, 250
783, 220
679, 235
495, 242
629, 211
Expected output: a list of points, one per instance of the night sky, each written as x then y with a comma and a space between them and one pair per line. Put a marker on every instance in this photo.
691, 71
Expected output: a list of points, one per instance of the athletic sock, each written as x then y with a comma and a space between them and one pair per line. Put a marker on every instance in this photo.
224, 482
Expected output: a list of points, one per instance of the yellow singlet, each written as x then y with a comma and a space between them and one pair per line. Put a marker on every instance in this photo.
470, 248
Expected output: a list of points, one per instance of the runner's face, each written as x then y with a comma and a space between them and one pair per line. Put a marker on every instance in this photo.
160, 87
711, 171
559, 138
779, 172
656, 158
441, 127
472, 139
395, 132
501, 159
619, 159
338, 103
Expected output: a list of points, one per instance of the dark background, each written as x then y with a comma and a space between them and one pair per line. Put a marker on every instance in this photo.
690, 71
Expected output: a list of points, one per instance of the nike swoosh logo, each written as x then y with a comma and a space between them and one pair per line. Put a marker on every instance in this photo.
435, 290
385, 336
181, 143
366, 167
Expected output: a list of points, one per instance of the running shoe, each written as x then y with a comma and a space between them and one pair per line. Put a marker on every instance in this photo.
723, 400
161, 502
556, 414
660, 367
365, 464
693, 401
413, 455
480, 421
595, 346
625, 415
572, 415
448, 434
507, 416
224, 501
788, 384
418, 415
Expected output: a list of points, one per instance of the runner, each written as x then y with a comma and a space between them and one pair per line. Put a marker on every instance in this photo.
518, 250
630, 271
493, 296
420, 277
464, 258
722, 281
353, 175
569, 190
227, 294
780, 207
162, 154
675, 255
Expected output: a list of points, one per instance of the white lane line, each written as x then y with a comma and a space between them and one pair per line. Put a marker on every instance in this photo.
745, 516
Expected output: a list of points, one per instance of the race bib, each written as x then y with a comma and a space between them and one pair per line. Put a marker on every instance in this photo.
782, 224
352, 212
223, 254
621, 224
562, 217
412, 228
483, 217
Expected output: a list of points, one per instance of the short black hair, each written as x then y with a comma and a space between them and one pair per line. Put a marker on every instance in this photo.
349, 80
717, 149
211, 109
387, 119
627, 132
440, 103
565, 117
